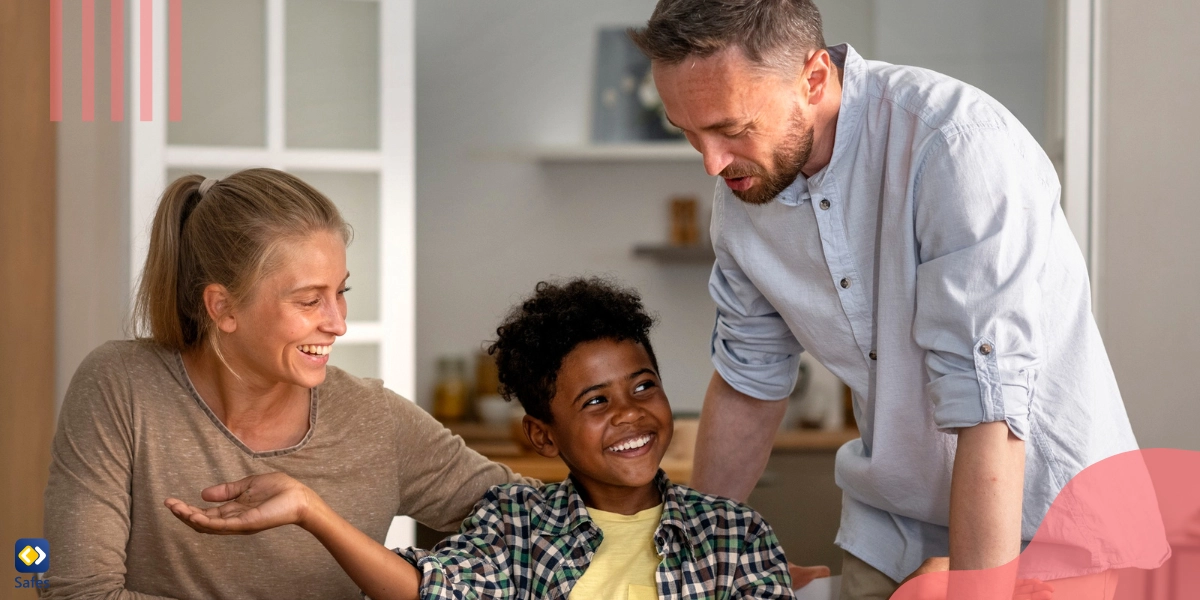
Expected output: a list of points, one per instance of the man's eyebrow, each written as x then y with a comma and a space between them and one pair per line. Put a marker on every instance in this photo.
598, 386
723, 124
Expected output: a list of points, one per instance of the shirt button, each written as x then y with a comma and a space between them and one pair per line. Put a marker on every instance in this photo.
825, 205
985, 349
872, 355
845, 283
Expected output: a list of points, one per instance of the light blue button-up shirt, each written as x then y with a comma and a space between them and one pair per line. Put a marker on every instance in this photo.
930, 267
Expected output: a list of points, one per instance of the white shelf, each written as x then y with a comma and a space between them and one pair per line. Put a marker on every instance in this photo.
611, 153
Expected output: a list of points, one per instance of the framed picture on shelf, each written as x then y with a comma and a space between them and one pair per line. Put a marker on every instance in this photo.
626, 107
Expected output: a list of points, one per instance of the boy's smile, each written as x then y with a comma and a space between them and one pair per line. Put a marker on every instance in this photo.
611, 424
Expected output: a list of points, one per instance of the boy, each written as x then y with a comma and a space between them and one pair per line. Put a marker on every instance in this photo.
578, 358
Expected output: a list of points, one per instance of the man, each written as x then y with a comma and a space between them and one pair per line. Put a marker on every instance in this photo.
905, 229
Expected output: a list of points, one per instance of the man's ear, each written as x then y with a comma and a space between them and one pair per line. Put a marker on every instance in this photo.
817, 73
218, 303
539, 436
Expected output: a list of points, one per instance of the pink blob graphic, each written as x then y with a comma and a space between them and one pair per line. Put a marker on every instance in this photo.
1125, 528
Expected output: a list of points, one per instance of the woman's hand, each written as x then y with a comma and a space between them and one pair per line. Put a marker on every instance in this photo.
251, 505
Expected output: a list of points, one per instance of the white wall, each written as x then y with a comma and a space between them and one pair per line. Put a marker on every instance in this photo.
1150, 188
999, 47
92, 214
502, 75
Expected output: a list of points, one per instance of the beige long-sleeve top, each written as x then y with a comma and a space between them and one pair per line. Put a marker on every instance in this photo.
133, 432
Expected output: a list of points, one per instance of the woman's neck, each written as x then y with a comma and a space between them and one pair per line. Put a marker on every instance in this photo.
263, 415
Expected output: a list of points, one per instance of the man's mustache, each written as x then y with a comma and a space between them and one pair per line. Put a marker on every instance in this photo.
735, 171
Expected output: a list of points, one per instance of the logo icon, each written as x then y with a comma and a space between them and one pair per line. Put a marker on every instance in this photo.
32, 555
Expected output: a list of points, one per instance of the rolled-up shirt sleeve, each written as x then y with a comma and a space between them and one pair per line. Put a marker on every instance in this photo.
982, 226
752, 347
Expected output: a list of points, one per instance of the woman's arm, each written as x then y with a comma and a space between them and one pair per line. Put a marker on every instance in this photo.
87, 516
263, 502
442, 479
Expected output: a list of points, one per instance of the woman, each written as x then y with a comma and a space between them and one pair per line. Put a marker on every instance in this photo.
240, 302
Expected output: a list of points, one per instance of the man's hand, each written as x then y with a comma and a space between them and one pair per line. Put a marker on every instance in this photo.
802, 576
935, 588
251, 505
933, 564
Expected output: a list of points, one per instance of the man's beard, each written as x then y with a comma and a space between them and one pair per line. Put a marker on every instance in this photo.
786, 161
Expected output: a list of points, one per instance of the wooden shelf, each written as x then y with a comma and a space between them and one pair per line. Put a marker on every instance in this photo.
699, 253
613, 153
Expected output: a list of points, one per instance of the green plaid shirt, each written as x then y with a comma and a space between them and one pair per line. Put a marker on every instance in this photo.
529, 542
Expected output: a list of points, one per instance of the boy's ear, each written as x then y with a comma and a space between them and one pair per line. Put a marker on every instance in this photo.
539, 436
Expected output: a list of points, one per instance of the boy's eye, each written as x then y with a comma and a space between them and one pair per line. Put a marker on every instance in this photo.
595, 401
645, 385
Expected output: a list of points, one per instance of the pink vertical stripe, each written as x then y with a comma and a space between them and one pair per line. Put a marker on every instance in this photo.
146, 43
175, 64
88, 61
116, 65
56, 63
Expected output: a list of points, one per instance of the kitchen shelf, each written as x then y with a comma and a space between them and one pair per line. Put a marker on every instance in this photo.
698, 253
614, 153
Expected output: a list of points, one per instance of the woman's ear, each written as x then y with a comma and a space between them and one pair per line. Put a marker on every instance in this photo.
219, 305
539, 436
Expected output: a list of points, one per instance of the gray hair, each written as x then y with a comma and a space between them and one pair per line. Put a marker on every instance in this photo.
776, 34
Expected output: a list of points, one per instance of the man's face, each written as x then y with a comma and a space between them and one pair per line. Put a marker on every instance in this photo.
749, 123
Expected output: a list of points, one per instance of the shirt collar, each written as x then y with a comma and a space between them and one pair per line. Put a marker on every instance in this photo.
564, 512
849, 117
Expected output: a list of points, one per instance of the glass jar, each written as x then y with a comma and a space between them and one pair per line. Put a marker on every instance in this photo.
450, 392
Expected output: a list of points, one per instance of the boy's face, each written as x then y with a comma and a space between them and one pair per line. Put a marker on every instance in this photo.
612, 422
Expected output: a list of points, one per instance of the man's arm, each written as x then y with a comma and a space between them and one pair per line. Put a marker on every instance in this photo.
734, 440
985, 497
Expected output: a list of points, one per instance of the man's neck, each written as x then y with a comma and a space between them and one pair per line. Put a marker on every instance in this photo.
825, 127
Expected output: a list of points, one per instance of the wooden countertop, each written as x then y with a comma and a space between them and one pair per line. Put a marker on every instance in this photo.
497, 444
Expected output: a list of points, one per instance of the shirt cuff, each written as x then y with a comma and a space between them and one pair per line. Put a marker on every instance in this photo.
765, 380
967, 399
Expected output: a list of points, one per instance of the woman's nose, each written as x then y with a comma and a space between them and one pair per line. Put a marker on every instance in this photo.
335, 318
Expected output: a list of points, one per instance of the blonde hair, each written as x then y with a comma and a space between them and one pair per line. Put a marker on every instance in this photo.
230, 235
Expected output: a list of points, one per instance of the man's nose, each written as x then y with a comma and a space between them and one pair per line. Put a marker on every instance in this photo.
715, 159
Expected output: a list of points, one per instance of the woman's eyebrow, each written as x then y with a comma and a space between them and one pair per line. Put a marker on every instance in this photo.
315, 286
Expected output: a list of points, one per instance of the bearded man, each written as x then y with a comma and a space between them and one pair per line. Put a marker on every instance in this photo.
905, 229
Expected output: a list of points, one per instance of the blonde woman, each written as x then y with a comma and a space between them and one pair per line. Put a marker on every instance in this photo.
241, 301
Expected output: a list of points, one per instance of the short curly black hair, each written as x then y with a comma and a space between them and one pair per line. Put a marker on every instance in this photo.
538, 333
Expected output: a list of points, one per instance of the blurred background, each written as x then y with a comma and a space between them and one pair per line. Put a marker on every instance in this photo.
480, 147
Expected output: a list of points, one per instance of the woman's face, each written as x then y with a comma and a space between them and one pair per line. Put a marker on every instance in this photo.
285, 329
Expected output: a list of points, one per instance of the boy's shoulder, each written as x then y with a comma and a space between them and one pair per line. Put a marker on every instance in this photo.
710, 516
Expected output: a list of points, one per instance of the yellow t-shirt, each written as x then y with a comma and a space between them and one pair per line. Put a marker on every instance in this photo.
624, 565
